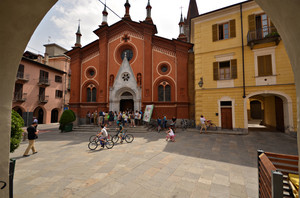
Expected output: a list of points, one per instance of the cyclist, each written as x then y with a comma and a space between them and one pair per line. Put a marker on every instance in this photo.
202, 123
103, 135
120, 132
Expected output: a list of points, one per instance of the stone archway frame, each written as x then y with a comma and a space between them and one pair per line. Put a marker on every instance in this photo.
287, 108
44, 112
115, 97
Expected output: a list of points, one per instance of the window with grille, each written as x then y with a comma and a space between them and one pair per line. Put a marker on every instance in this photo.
58, 94
58, 79
164, 92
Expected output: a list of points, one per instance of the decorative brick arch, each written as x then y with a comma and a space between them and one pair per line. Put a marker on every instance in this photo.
170, 82
84, 89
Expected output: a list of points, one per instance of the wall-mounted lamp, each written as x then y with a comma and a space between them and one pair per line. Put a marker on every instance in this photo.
200, 83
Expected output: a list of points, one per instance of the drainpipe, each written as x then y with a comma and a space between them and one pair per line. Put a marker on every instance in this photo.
243, 52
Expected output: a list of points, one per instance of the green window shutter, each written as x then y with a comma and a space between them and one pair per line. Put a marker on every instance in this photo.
233, 65
232, 28
251, 22
215, 32
216, 70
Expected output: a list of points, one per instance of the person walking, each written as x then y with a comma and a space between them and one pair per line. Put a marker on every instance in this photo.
202, 123
164, 122
32, 135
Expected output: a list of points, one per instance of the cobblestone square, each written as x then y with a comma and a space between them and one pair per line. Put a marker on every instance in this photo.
196, 165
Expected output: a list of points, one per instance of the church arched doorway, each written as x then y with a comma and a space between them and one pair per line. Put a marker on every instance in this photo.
126, 102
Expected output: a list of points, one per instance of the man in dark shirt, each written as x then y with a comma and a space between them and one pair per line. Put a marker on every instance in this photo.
32, 135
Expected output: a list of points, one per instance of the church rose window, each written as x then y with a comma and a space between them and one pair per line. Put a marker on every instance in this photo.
129, 54
164, 69
90, 73
125, 76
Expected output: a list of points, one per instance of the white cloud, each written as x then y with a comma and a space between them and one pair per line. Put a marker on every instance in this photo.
62, 20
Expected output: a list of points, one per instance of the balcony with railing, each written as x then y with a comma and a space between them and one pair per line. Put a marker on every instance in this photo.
21, 77
43, 99
263, 35
20, 97
44, 81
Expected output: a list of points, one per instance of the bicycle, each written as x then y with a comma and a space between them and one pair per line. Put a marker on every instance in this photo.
94, 144
209, 125
94, 137
184, 124
127, 137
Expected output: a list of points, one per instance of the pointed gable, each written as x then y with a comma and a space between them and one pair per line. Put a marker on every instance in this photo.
192, 11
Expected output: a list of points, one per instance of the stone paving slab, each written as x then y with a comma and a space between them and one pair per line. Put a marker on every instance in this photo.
196, 165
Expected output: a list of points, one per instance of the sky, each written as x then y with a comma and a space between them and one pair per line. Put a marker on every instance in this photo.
61, 22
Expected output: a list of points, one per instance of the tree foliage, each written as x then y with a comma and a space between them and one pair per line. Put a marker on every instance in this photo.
17, 123
68, 116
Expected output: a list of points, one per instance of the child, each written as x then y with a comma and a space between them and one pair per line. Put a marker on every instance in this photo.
170, 135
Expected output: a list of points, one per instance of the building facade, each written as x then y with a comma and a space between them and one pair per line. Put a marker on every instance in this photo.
129, 67
242, 71
41, 90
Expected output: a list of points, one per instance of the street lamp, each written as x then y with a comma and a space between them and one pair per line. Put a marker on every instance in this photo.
200, 83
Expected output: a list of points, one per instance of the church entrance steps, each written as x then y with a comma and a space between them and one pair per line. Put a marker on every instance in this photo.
112, 129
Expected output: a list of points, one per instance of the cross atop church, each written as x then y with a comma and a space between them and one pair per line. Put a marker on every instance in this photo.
125, 38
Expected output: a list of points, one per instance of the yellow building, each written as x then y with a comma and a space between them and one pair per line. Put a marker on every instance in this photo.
242, 71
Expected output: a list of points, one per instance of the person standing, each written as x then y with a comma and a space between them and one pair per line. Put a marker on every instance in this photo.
164, 122
95, 117
32, 135
202, 123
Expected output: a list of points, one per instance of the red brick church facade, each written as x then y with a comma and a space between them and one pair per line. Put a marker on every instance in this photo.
129, 67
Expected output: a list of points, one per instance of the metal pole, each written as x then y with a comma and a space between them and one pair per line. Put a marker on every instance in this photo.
277, 184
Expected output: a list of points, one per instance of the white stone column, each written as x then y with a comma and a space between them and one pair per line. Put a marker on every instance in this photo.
18, 21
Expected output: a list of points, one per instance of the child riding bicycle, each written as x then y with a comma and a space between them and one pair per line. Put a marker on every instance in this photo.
103, 135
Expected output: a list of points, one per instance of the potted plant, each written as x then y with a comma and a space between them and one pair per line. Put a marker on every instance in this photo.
66, 121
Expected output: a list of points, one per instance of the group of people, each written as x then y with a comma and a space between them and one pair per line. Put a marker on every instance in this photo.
129, 118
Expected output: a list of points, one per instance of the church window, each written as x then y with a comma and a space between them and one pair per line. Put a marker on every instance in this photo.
164, 92
91, 93
125, 76
164, 69
91, 73
129, 54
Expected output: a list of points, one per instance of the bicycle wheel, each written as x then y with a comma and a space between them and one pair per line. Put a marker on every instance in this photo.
93, 138
213, 127
93, 145
109, 144
129, 138
115, 139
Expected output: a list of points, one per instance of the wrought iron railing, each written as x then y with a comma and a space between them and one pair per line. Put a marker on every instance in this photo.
20, 96
44, 81
43, 98
262, 33
22, 76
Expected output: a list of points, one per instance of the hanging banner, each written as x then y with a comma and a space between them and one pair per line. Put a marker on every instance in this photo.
148, 113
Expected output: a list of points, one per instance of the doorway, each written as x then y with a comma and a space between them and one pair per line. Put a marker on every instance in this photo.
39, 114
226, 114
54, 116
126, 105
